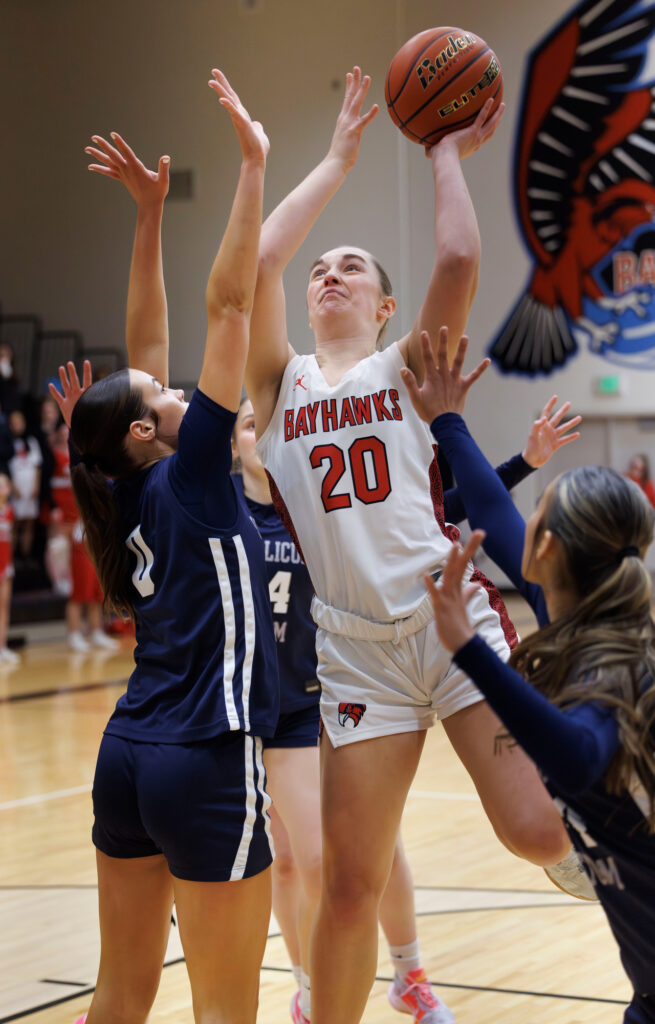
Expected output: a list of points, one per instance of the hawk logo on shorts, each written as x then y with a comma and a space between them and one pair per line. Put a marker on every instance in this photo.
350, 715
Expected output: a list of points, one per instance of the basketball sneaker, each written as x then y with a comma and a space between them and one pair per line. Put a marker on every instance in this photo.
297, 1016
570, 876
79, 644
101, 639
414, 995
81, 1020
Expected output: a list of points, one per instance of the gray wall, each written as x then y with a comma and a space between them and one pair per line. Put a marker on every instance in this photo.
70, 68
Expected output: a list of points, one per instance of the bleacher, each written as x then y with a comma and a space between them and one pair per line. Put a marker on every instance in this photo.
38, 353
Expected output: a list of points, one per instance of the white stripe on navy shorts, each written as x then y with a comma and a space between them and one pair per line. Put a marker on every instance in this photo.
202, 805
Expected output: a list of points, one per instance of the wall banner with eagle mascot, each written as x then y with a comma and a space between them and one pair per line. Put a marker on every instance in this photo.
584, 189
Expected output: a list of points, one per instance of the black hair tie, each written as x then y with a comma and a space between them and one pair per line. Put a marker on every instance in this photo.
90, 462
628, 552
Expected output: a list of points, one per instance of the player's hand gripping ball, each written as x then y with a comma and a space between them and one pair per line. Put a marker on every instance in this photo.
438, 81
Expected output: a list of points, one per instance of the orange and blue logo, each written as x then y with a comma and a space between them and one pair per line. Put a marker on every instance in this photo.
584, 189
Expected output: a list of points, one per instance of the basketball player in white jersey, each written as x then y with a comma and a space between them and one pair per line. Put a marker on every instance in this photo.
352, 463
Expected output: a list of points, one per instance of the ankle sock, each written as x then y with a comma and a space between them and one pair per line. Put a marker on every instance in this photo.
305, 1004
405, 958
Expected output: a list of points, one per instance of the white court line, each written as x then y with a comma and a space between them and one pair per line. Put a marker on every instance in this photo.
426, 794
39, 798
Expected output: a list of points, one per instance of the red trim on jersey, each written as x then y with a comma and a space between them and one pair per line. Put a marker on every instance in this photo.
283, 512
495, 600
498, 605
436, 493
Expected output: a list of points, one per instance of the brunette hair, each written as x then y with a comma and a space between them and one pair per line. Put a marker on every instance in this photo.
386, 289
603, 649
99, 427
236, 468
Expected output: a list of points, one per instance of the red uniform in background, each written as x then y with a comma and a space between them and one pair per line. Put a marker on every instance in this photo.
6, 542
62, 487
86, 585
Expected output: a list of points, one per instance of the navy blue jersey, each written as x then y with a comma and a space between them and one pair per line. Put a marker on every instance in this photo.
205, 654
574, 746
488, 506
510, 474
291, 593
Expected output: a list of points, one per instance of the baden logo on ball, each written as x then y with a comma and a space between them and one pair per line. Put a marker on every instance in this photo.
438, 81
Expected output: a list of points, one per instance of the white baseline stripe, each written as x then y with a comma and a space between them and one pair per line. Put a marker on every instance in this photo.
426, 794
40, 798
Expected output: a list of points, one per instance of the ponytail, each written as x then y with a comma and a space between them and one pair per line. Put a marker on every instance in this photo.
603, 649
104, 534
99, 427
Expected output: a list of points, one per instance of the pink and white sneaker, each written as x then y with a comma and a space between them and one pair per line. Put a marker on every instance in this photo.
297, 1016
414, 995
81, 1020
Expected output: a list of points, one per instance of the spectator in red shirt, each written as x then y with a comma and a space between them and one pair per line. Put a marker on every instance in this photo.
639, 471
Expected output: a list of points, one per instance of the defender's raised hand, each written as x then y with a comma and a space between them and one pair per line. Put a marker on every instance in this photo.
120, 162
443, 389
351, 122
71, 389
252, 137
449, 597
548, 433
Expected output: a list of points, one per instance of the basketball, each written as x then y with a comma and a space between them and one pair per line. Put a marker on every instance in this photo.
438, 81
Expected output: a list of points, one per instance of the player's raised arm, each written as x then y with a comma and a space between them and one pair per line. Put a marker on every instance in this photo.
231, 284
454, 276
283, 233
146, 332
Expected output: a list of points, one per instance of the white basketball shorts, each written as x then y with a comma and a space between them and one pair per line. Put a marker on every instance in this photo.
378, 679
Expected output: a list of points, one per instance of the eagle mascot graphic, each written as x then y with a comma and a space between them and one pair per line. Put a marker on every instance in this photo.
584, 186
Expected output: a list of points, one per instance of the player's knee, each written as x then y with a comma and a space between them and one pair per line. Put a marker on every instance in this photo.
284, 868
541, 840
352, 895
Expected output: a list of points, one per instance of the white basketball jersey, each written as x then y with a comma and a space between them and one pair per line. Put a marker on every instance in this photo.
351, 463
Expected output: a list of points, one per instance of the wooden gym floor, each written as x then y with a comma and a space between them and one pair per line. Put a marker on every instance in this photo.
501, 945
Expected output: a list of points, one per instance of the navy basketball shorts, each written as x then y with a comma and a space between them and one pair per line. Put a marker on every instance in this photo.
296, 729
203, 805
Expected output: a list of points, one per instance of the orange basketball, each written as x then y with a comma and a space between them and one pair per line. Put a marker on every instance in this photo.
438, 81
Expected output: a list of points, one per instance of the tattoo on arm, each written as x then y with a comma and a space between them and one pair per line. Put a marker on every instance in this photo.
503, 741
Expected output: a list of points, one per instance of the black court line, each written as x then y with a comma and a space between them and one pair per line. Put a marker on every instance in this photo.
59, 981
417, 888
387, 980
509, 906
488, 988
57, 691
489, 888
